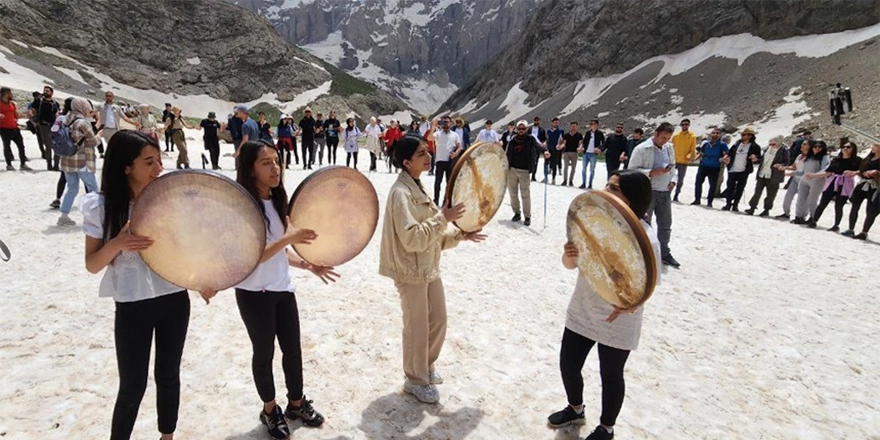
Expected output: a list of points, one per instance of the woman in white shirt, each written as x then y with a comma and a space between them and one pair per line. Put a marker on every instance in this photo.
591, 320
351, 135
145, 303
266, 298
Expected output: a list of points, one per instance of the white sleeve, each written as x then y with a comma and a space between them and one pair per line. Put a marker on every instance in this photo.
92, 208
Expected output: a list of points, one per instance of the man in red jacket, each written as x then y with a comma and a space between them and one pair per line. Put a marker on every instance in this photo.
9, 130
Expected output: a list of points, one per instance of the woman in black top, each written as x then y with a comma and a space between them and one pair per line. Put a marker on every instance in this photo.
265, 128
839, 183
866, 190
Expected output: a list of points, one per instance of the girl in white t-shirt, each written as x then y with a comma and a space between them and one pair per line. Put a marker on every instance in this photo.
591, 320
266, 298
351, 135
145, 303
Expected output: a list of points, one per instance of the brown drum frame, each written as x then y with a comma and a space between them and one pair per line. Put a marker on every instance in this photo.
641, 238
313, 176
211, 174
450, 186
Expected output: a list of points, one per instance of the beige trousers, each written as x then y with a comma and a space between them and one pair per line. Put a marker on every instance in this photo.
179, 140
518, 182
424, 328
570, 161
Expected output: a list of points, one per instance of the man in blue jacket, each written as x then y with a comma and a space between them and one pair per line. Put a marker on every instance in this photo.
709, 153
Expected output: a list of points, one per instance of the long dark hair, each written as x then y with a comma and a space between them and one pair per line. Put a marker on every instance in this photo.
123, 148
819, 155
349, 124
636, 187
247, 158
68, 103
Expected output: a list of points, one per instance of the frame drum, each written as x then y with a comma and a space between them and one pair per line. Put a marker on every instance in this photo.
342, 207
479, 180
208, 231
615, 253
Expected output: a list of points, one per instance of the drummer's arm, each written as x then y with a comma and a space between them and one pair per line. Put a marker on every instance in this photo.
273, 248
99, 254
417, 236
295, 260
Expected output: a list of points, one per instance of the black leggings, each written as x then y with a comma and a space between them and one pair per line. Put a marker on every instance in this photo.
308, 151
332, 143
349, 157
442, 168
839, 203
572, 356
858, 196
267, 315
168, 317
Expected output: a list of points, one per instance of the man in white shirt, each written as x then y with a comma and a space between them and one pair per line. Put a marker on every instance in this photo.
488, 134
109, 117
448, 146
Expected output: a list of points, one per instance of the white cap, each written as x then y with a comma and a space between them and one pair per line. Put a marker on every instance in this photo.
523, 123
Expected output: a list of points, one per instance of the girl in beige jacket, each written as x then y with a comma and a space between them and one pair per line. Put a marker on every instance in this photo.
414, 232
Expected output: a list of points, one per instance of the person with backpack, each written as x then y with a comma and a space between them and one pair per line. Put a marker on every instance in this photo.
75, 130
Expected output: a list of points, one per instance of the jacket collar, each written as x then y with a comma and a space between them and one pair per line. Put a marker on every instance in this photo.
406, 180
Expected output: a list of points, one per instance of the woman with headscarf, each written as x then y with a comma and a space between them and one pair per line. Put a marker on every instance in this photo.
80, 165
373, 131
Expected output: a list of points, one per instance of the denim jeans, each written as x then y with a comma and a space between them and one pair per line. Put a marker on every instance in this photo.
73, 179
591, 159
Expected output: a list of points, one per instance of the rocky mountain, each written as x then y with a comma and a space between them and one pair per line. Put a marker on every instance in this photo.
205, 50
735, 62
420, 50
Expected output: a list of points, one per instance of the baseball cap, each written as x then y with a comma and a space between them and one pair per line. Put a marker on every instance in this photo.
284, 116
522, 122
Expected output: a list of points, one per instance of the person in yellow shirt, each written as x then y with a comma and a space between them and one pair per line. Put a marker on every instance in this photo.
685, 144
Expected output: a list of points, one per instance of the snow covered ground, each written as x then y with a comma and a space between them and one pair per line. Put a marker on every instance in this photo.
764, 332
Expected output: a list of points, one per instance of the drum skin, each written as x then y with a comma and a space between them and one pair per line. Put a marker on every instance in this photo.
479, 180
208, 232
615, 253
342, 207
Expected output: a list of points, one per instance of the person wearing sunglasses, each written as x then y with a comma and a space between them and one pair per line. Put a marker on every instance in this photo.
771, 173
522, 153
840, 180
812, 183
866, 191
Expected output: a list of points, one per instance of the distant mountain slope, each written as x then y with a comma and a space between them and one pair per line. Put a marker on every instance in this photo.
195, 48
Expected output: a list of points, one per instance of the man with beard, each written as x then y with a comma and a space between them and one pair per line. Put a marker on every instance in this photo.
740, 163
614, 148
631, 145
553, 164
573, 142
45, 110
522, 152
710, 153
656, 158
448, 146
109, 116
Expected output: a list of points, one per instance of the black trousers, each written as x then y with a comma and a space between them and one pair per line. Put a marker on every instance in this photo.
168, 317
839, 202
442, 168
10, 135
268, 315
213, 147
308, 152
858, 196
572, 357
772, 189
736, 184
704, 173
332, 143
169, 146
349, 157
372, 161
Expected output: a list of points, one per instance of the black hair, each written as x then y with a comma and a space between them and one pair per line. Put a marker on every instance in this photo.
554, 120
4, 90
639, 131
122, 149
247, 158
636, 187
349, 124
404, 149
685, 120
594, 120
573, 122
665, 127
819, 155
68, 105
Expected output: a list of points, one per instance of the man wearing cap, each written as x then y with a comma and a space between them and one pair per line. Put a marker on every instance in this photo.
250, 131
488, 134
522, 153
211, 126
448, 147
307, 140
740, 163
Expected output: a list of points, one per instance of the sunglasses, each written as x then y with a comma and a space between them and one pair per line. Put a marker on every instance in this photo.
773, 144
850, 147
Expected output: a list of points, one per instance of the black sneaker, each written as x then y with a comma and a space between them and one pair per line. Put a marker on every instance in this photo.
306, 413
764, 213
750, 211
834, 228
583, 187
848, 233
55, 204
275, 423
782, 216
726, 208
798, 221
516, 218
669, 260
811, 224
566, 417
861, 236
528, 222
600, 434
735, 208
695, 203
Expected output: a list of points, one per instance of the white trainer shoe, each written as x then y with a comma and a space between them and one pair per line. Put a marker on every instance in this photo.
425, 393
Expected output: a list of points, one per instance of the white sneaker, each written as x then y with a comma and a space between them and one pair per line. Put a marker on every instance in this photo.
425, 393
66, 221
435, 378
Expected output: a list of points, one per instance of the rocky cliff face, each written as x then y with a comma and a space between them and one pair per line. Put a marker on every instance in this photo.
602, 37
418, 49
188, 47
